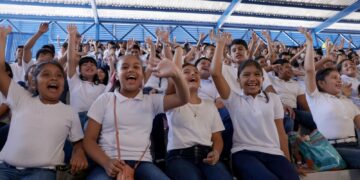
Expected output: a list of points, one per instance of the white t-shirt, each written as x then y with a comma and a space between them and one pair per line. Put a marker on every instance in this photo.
38, 131
193, 124
254, 122
18, 72
334, 116
354, 84
287, 90
135, 119
83, 93
230, 74
208, 90
155, 83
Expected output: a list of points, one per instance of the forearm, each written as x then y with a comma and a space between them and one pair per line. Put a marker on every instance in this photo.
218, 143
95, 152
71, 55
216, 66
177, 57
284, 146
181, 87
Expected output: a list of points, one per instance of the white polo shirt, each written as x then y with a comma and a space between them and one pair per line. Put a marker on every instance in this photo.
354, 84
334, 116
230, 74
287, 90
254, 122
155, 83
208, 90
38, 131
83, 93
18, 72
135, 119
193, 124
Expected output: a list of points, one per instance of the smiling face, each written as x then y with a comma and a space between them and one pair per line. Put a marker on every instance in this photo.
209, 52
285, 72
192, 77
348, 68
130, 75
331, 84
88, 70
49, 82
204, 69
251, 79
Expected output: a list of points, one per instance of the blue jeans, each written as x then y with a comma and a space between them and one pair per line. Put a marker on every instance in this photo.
145, 171
8, 172
188, 164
227, 134
252, 165
83, 118
350, 154
302, 118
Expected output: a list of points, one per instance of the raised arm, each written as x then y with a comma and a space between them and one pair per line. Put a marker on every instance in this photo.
71, 51
216, 65
43, 28
167, 69
4, 78
309, 64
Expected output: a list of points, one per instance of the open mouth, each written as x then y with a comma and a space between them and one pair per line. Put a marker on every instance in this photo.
131, 78
53, 86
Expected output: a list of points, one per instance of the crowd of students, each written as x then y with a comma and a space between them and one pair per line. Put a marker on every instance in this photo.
225, 107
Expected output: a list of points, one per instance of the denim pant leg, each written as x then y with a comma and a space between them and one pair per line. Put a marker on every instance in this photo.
179, 169
280, 166
215, 172
288, 123
351, 156
247, 166
227, 134
7, 173
148, 171
83, 119
36, 174
98, 173
305, 119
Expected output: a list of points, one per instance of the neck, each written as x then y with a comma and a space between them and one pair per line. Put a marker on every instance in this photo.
194, 98
47, 101
129, 94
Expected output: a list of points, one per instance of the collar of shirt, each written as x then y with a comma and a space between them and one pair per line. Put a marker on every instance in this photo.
261, 94
332, 96
121, 98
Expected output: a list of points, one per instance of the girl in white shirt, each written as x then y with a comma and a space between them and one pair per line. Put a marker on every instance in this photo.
40, 124
335, 115
135, 113
349, 75
85, 87
260, 147
194, 139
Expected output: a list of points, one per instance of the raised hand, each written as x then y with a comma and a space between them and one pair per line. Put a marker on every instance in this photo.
212, 35
254, 37
165, 69
306, 33
148, 41
43, 28
72, 29
4, 31
201, 37
223, 38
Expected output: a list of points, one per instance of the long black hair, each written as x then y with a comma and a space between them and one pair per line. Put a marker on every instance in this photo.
87, 59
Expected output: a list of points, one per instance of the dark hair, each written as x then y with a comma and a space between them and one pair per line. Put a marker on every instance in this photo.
84, 60
65, 45
239, 42
51, 47
280, 62
8, 70
259, 57
20, 47
248, 63
44, 51
281, 56
208, 45
321, 75
39, 67
106, 78
135, 46
201, 59
340, 64
187, 64
26, 77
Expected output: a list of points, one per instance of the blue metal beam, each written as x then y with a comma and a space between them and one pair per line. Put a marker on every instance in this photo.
146, 29
353, 7
229, 10
13, 25
94, 10
292, 39
264, 40
129, 32
87, 29
295, 4
246, 32
187, 32
106, 29
348, 40
63, 29
277, 36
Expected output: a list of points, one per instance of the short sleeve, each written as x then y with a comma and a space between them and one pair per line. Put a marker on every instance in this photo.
267, 81
278, 108
217, 124
76, 132
98, 108
300, 90
157, 103
74, 81
16, 94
